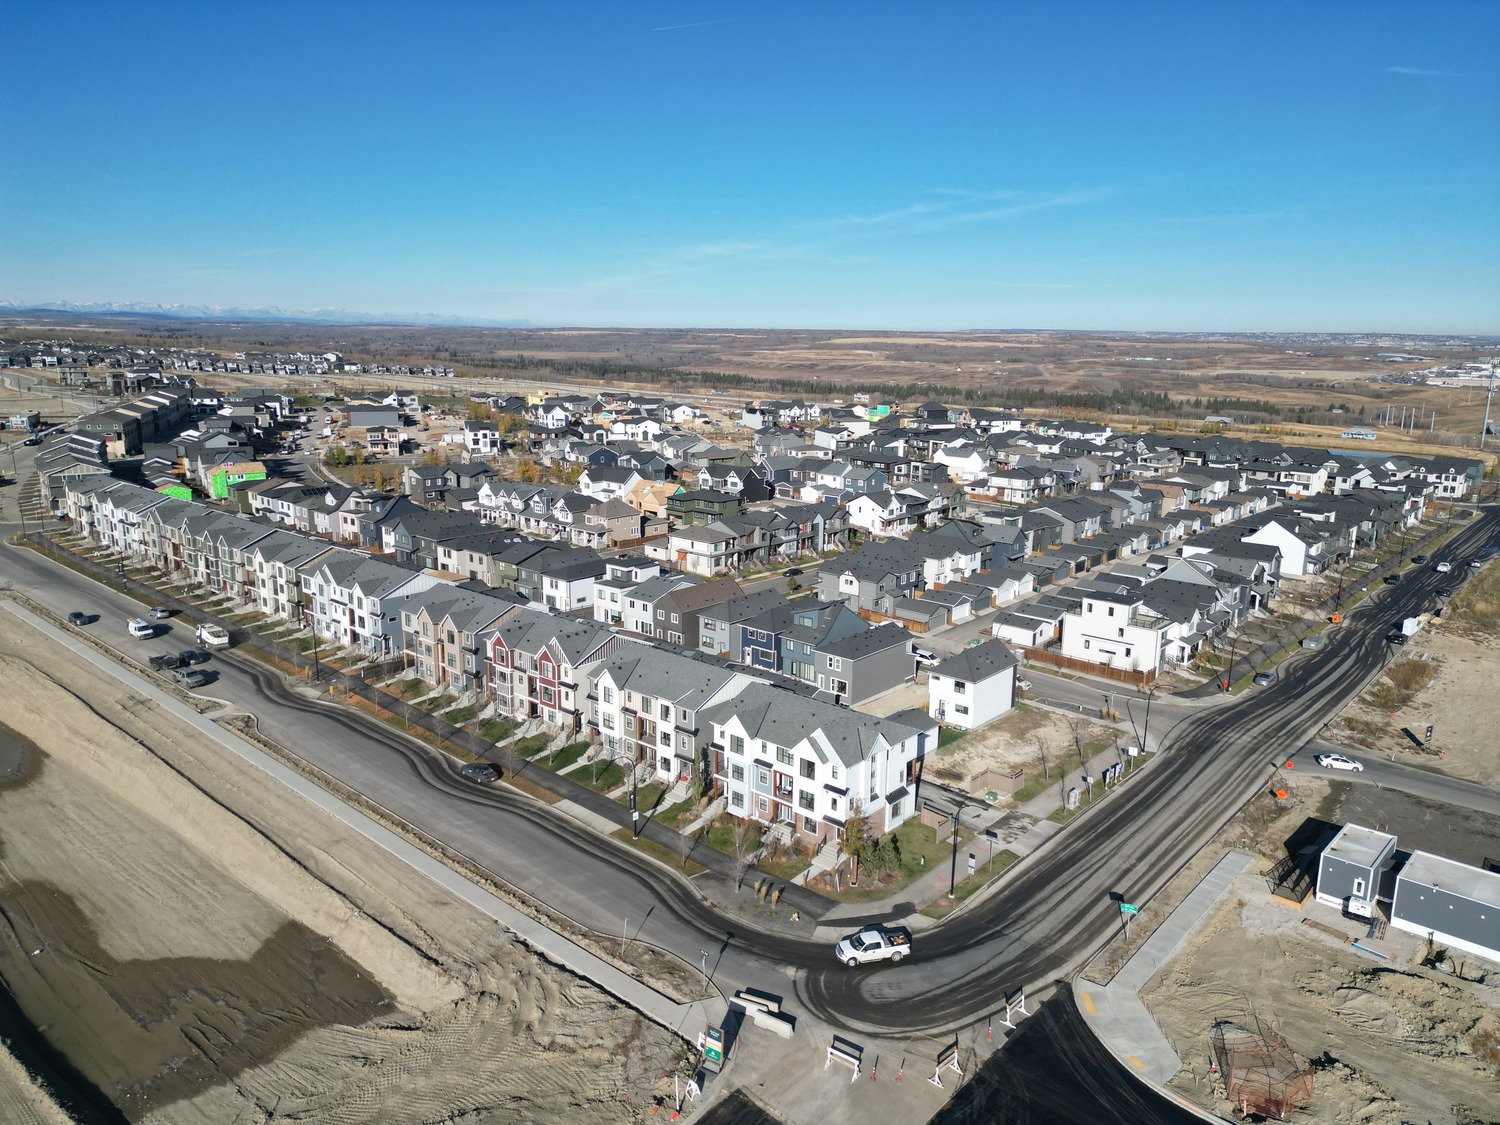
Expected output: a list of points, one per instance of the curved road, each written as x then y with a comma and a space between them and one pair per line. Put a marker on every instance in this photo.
1047, 916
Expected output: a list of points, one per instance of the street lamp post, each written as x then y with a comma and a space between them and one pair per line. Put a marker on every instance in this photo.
1146, 725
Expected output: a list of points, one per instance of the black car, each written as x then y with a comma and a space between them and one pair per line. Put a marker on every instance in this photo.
1393, 580
1446, 591
34, 439
481, 772
76, 618
165, 662
192, 656
1419, 559
794, 572
1395, 637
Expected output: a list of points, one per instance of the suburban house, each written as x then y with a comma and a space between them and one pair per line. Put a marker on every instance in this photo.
534, 659
973, 687
1356, 869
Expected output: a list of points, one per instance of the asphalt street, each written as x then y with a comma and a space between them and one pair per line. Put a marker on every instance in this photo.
1049, 913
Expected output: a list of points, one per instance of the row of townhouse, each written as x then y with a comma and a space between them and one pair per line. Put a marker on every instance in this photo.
810, 766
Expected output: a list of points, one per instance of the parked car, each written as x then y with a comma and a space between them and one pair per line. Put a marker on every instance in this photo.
1446, 592
34, 439
924, 656
1419, 559
1339, 762
1475, 564
160, 613
794, 572
1024, 685
1443, 567
1261, 679
1395, 637
482, 772
1392, 580
76, 618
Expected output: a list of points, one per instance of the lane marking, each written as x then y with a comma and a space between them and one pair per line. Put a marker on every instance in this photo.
1088, 1002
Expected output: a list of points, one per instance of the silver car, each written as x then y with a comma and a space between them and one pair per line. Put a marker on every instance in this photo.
1339, 762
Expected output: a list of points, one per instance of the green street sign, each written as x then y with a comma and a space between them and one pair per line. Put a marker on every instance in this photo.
1126, 908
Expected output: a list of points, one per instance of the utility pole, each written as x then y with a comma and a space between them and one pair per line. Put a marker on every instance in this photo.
1488, 395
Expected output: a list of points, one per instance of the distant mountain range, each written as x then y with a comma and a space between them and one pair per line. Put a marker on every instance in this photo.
267, 313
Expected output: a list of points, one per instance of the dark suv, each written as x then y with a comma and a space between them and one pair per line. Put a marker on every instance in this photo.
165, 662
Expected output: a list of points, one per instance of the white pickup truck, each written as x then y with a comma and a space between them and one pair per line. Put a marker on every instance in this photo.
214, 636
878, 943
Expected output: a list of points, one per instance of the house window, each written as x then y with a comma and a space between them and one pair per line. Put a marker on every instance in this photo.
737, 772
736, 745
960, 709
960, 687
737, 799
763, 777
783, 755
666, 712
762, 804
895, 813
835, 770
804, 799
609, 720
809, 768
1085, 643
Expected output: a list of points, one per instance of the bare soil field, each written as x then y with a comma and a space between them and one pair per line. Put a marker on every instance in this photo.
1392, 1041
1454, 693
202, 949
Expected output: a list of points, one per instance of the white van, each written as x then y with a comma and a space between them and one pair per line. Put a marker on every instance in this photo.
141, 630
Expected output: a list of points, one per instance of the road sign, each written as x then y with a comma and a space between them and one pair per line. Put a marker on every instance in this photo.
713, 1047
1127, 908
1429, 739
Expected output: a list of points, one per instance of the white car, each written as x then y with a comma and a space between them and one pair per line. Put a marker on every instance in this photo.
1443, 567
1024, 685
1339, 762
923, 656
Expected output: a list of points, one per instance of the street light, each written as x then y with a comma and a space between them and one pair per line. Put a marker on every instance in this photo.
953, 869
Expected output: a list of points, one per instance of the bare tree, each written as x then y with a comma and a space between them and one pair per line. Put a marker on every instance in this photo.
747, 837
856, 835
1078, 731
1044, 752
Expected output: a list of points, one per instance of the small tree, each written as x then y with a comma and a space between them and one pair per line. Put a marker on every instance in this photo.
856, 836
1044, 751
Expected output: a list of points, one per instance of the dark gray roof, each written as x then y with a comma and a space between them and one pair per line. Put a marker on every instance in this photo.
977, 664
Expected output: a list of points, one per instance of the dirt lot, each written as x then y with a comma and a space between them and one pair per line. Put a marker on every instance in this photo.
202, 949
1391, 1041
1021, 740
1460, 702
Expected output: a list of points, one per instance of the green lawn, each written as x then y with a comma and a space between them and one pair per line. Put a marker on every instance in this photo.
497, 730
600, 776
460, 715
559, 759
676, 816
947, 736
531, 745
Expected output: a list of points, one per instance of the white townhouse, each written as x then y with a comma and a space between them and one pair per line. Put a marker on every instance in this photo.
355, 601
643, 704
804, 767
279, 561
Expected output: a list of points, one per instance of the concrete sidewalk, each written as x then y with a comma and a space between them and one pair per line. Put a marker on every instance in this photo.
686, 1020
1115, 1012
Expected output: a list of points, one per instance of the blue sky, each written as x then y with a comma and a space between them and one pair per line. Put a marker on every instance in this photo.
1113, 165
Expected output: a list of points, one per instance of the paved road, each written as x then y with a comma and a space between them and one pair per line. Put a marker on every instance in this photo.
1385, 774
1050, 913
